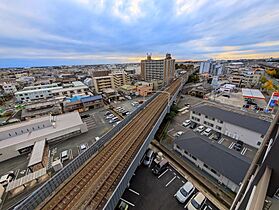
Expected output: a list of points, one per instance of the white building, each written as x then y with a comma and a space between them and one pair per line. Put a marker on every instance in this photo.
37, 92
238, 126
9, 87
19, 138
226, 166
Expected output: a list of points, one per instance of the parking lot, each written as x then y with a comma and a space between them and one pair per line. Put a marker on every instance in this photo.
148, 191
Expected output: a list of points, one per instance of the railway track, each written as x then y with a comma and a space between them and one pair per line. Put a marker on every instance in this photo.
92, 186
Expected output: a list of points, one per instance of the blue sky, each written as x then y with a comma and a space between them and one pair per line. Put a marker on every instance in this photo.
53, 32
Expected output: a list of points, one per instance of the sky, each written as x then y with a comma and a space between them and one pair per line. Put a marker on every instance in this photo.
56, 32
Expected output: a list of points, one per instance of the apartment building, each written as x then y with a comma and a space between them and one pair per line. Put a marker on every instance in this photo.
9, 88
206, 155
250, 79
163, 69
238, 126
114, 80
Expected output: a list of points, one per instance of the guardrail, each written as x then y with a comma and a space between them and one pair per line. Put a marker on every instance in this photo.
46, 190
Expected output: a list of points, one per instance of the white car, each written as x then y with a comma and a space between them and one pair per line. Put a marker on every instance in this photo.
184, 192
186, 123
200, 128
179, 133
207, 131
196, 202
82, 147
110, 116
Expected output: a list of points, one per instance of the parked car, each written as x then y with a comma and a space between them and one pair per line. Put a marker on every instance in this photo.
65, 155
193, 125
184, 192
201, 128
196, 203
82, 147
160, 167
107, 113
186, 123
113, 120
179, 133
148, 157
110, 116
207, 131
216, 136
238, 145
5, 179
227, 96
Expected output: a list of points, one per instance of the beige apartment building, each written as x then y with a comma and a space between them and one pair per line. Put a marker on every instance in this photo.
163, 69
113, 80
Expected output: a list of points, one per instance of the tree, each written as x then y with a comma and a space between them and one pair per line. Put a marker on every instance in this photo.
263, 79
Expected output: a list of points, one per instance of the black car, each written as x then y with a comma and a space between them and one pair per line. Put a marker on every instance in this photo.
193, 125
216, 136
238, 145
160, 167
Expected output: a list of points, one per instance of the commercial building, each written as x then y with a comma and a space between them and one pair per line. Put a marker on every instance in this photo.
48, 91
41, 108
250, 79
83, 103
17, 139
163, 69
226, 166
238, 126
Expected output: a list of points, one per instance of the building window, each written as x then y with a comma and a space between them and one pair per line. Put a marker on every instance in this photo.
194, 157
259, 143
219, 121
213, 171
218, 127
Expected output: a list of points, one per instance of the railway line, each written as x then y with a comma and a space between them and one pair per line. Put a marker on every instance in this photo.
93, 185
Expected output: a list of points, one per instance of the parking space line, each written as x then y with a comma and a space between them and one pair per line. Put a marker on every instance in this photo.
131, 204
163, 174
17, 172
231, 145
221, 141
244, 150
170, 181
134, 191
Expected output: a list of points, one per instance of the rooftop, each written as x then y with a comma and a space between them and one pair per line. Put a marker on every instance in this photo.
242, 120
37, 153
252, 93
227, 162
62, 122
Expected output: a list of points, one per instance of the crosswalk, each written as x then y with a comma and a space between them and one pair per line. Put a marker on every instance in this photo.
90, 122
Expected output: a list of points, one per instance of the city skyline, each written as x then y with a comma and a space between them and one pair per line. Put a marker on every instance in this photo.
93, 32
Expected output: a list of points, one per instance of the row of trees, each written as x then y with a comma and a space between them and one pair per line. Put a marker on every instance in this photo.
273, 73
268, 84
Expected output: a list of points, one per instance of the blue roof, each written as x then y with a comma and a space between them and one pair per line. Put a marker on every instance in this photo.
91, 98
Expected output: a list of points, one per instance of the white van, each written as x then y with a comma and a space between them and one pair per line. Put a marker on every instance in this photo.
184, 192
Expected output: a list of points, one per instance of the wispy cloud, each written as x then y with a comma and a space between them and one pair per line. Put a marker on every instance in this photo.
117, 30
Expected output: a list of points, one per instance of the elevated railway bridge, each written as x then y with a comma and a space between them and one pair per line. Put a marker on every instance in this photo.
97, 178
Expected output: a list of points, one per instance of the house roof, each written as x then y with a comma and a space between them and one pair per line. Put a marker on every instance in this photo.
216, 156
241, 120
